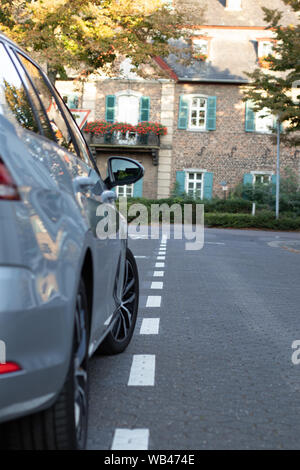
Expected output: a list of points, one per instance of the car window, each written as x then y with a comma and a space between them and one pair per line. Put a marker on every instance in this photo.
82, 147
14, 101
55, 116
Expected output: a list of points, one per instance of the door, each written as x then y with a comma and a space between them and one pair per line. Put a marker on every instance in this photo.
74, 152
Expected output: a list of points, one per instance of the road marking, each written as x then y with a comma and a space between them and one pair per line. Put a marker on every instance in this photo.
159, 265
142, 372
153, 301
161, 252
157, 285
158, 274
130, 439
150, 326
161, 257
141, 257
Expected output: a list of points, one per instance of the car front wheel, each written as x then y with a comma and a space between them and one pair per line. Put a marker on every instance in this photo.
121, 333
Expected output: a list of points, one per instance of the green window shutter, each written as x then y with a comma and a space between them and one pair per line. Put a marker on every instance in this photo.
144, 109
248, 178
249, 117
180, 180
183, 115
211, 113
110, 103
138, 188
208, 185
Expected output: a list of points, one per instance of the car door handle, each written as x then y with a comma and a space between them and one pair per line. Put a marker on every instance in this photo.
83, 183
108, 196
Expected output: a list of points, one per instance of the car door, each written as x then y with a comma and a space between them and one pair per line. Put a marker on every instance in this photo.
89, 191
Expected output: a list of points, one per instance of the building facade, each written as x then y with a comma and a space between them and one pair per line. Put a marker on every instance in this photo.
214, 139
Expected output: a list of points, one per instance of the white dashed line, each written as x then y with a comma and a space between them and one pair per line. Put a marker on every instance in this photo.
161, 257
157, 285
158, 274
153, 301
142, 372
159, 265
130, 439
150, 326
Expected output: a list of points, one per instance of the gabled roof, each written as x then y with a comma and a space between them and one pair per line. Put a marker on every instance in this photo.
233, 40
251, 13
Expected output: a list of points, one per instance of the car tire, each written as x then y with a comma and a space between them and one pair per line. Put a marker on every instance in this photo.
64, 425
121, 333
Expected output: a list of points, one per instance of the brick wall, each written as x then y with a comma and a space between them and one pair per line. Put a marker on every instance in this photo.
229, 152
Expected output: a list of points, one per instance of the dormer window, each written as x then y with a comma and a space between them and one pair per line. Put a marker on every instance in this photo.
265, 48
233, 5
200, 48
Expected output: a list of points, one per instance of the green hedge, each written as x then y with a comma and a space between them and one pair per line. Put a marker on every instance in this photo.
262, 220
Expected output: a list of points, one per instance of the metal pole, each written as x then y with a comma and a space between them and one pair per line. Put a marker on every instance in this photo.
278, 168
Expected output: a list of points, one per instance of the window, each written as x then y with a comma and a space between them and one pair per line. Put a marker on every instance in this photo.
14, 101
265, 48
61, 124
258, 121
56, 118
233, 5
264, 122
128, 109
200, 48
198, 113
125, 191
127, 106
261, 179
194, 184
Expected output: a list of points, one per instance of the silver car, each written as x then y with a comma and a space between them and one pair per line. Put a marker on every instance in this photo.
68, 282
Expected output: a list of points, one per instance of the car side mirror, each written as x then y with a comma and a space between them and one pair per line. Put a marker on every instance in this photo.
122, 170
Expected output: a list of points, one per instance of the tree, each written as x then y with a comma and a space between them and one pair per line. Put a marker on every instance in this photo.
272, 88
87, 35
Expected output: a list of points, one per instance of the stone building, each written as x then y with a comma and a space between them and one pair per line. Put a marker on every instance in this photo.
214, 139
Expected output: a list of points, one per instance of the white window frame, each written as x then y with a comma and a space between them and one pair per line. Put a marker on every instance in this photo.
135, 94
258, 120
261, 173
200, 45
196, 128
187, 172
125, 186
233, 5
261, 45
